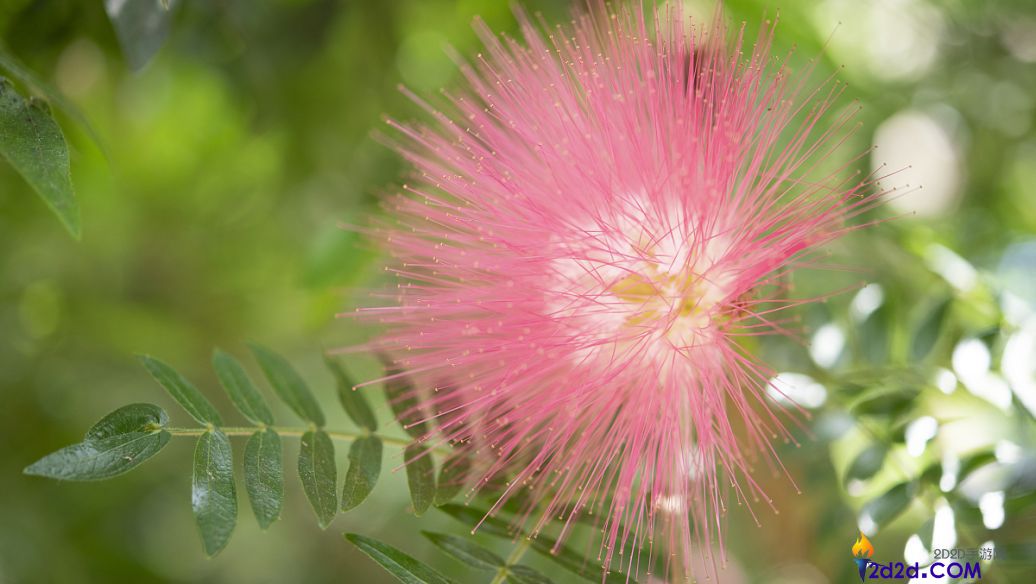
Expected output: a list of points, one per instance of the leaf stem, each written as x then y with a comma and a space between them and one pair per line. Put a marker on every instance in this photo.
512, 559
286, 431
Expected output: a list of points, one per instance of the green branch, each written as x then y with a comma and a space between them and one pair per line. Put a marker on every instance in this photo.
127, 437
513, 559
344, 436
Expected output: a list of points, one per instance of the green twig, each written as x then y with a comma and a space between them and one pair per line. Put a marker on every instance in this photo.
512, 559
286, 431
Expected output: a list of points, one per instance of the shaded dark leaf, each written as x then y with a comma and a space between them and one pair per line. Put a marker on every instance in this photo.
354, 402
867, 463
889, 505
926, 532
886, 401
933, 473
471, 516
576, 563
929, 329
19, 71
466, 551
402, 399
364, 469
565, 557
973, 462
420, 475
404, 567
875, 334
450, 412
32, 142
141, 27
526, 575
452, 475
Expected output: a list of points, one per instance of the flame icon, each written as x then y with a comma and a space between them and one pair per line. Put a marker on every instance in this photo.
863, 548
862, 551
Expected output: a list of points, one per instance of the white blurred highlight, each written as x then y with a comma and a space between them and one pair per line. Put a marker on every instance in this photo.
953, 268
944, 532
1007, 452
915, 552
918, 433
866, 301
1018, 364
867, 525
971, 361
827, 345
788, 388
946, 381
992, 507
921, 152
950, 469
900, 38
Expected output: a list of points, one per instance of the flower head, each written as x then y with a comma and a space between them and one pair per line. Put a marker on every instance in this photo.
594, 226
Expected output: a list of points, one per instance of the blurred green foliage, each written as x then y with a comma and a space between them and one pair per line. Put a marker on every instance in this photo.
211, 204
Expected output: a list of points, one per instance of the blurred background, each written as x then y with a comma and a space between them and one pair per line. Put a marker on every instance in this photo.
211, 203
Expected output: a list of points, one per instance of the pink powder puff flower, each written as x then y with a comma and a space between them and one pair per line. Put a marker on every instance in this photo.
594, 225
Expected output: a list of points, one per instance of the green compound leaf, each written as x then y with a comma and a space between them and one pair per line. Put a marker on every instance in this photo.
975, 461
875, 333
404, 567
471, 516
929, 330
96, 460
894, 401
867, 463
182, 391
564, 556
467, 552
577, 563
32, 142
400, 393
968, 464
119, 442
319, 475
213, 495
889, 505
19, 71
452, 476
420, 475
288, 385
264, 476
526, 575
242, 391
141, 27
127, 419
354, 402
926, 532
364, 469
